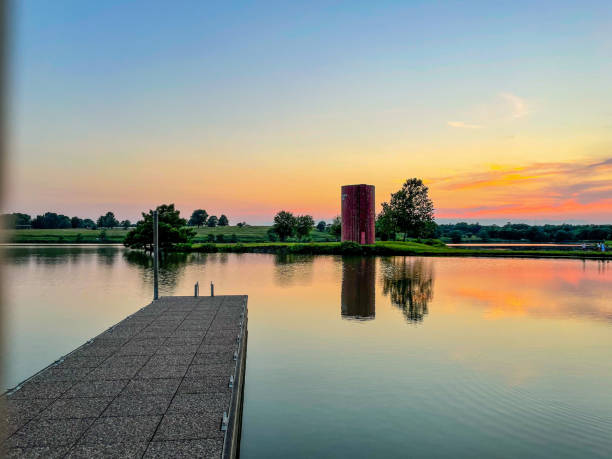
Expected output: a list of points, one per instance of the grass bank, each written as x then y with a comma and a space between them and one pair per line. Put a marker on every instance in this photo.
436, 248
247, 234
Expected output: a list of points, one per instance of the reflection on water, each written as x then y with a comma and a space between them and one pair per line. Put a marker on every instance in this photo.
358, 297
409, 283
513, 359
292, 269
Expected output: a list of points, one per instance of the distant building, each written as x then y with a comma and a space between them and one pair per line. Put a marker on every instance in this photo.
358, 213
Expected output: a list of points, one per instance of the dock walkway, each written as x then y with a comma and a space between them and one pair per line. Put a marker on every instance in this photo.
157, 384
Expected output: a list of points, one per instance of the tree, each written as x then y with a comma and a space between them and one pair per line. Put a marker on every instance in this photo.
385, 225
455, 237
223, 221
198, 218
303, 226
284, 224
321, 226
410, 208
172, 230
89, 223
108, 220
212, 221
335, 229
241, 224
15, 220
51, 220
76, 222
125, 224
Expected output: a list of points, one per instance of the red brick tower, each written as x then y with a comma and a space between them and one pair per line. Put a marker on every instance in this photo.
358, 213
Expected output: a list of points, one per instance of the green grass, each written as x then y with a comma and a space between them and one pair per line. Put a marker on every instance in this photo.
54, 236
384, 248
250, 234
70, 235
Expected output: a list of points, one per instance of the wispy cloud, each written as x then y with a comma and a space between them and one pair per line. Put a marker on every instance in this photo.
564, 189
517, 105
462, 125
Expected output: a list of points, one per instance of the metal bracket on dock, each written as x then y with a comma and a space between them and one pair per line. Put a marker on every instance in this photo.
225, 422
196, 289
231, 381
235, 355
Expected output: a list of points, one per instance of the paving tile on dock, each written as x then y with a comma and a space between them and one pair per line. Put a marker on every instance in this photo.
169, 359
141, 405
108, 430
204, 384
42, 390
213, 402
211, 369
96, 388
18, 412
76, 407
161, 371
37, 452
194, 340
152, 386
180, 349
49, 432
119, 360
115, 450
206, 448
188, 426
213, 357
112, 373
74, 361
54, 374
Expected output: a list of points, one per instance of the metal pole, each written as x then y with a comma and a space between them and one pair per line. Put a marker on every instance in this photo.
196, 289
212, 289
155, 255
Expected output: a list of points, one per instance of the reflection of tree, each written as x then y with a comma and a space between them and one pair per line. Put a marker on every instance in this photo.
358, 298
409, 283
292, 268
171, 267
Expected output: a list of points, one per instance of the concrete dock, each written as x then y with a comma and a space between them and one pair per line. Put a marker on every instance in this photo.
166, 381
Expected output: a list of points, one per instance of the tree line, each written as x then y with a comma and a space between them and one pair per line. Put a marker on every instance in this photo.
200, 218
466, 232
52, 220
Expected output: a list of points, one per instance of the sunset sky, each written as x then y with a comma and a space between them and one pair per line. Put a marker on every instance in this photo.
503, 108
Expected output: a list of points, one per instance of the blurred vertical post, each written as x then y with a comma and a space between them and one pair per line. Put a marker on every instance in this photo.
155, 254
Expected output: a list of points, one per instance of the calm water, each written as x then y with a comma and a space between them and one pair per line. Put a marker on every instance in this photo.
386, 357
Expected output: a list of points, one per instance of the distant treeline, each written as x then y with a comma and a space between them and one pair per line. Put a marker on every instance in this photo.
467, 232
51, 220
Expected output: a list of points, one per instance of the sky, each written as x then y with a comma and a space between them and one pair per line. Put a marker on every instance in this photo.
504, 109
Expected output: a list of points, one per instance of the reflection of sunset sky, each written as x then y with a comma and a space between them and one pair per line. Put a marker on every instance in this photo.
507, 345
523, 287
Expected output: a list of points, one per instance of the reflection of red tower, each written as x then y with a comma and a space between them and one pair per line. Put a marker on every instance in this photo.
358, 213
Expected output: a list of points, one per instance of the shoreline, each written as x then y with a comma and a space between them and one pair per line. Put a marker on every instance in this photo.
385, 249
380, 248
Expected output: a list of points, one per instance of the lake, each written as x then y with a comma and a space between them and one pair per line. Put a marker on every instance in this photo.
362, 357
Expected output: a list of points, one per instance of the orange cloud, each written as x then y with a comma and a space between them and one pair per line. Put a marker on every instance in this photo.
567, 190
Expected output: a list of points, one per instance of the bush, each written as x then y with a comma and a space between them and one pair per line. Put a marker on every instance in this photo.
210, 238
207, 248
233, 238
350, 248
455, 237
220, 238
79, 237
272, 236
